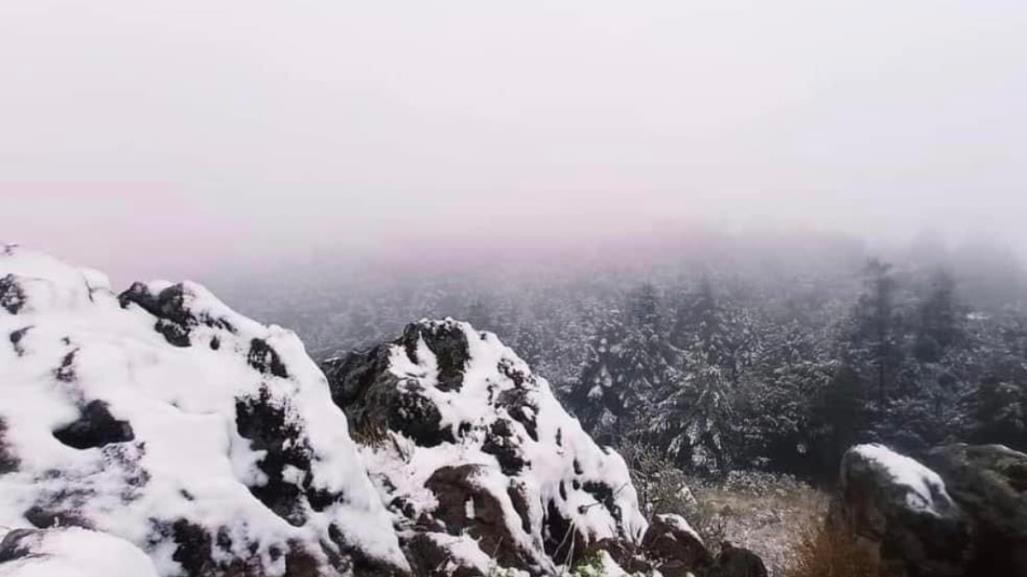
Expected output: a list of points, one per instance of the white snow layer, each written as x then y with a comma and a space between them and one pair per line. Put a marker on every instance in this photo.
926, 487
679, 523
187, 460
76, 552
564, 452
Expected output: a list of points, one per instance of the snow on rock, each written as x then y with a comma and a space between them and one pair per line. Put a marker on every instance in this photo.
461, 438
901, 510
673, 546
71, 552
926, 491
163, 417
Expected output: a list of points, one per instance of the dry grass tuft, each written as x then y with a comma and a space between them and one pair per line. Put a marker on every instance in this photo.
827, 552
370, 434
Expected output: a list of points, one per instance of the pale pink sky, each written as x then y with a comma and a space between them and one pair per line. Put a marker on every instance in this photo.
175, 138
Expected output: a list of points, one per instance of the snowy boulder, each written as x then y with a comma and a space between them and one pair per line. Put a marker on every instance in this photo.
675, 548
71, 552
989, 483
476, 457
162, 417
902, 512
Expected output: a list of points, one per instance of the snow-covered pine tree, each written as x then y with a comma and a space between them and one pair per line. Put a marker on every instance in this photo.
873, 348
628, 363
694, 418
775, 397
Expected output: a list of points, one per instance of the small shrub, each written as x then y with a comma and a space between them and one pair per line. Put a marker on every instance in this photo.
589, 566
828, 552
662, 487
370, 434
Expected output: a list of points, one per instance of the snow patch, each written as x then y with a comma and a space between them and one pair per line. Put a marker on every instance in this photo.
926, 486
75, 552
679, 523
164, 454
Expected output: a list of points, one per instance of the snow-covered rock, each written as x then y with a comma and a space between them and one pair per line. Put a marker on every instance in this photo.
924, 489
162, 417
674, 547
989, 482
476, 456
71, 552
902, 511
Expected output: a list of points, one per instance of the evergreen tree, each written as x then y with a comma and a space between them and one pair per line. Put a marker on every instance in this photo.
702, 325
839, 419
874, 345
694, 419
1000, 398
775, 398
939, 320
627, 364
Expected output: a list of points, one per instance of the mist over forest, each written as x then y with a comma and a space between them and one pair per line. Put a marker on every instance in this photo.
726, 351
588, 288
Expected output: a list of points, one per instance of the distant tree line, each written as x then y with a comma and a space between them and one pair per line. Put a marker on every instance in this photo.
721, 379
777, 361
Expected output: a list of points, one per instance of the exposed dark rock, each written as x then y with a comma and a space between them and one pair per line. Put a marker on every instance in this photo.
518, 496
519, 405
359, 562
737, 562
602, 493
12, 296
674, 549
429, 559
164, 510
502, 444
66, 372
989, 483
8, 460
557, 535
15, 338
499, 409
449, 345
175, 334
43, 518
204, 553
352, 376
374, 399
95, 427
265, 359
414, 415
17, 544
194, 550
300, 563
454, 487
268, 428
908, 535
174, 318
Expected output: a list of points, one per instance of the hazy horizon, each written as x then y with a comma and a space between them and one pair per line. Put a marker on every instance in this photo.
198, 140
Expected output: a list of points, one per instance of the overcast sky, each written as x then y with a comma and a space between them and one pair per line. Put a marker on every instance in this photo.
171, 138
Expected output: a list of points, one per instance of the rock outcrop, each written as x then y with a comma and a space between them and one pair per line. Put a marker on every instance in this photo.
901, 510
966, 516
673, 547
71, 552
161, 416
990, 484
737, 562
475, 456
